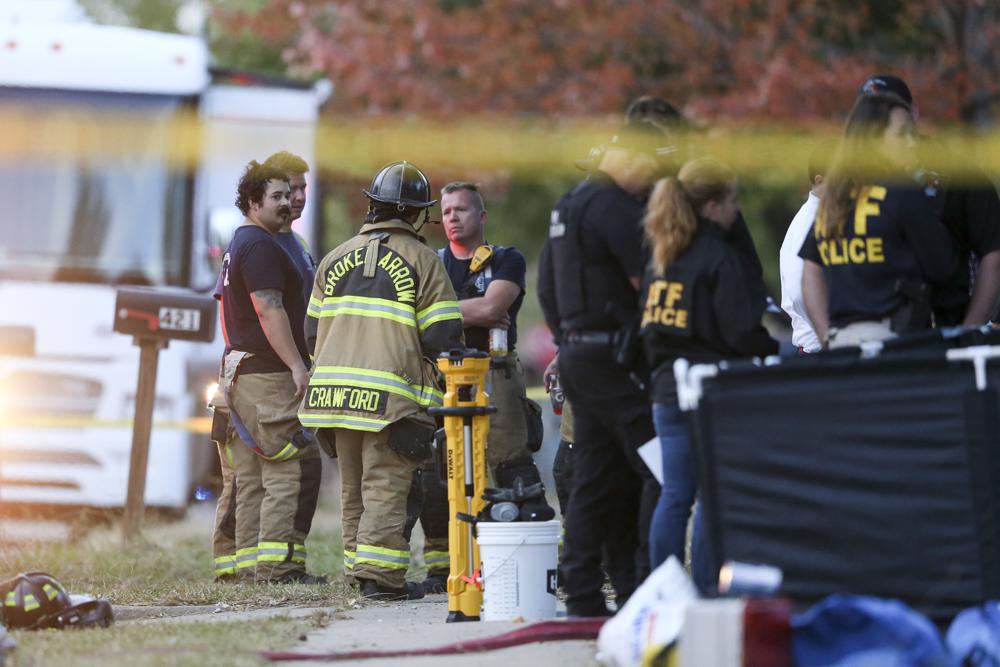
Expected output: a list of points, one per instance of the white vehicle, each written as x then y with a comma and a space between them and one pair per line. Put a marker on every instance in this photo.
96, 193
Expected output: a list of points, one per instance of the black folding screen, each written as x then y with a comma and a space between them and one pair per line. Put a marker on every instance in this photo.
875, 476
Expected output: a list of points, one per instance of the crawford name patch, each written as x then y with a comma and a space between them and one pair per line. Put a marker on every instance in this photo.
360, 399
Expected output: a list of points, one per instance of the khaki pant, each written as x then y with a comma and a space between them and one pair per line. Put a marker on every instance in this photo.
280, 485
508, 437
224, 535
249, 496
566, 423
857, 333
375, 482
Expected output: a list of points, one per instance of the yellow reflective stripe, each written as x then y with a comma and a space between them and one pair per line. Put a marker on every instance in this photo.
363, 307
11, 600
246, 558
349, 559
315, 420
371, 379
50, 591
403, 308
225, 565
438, 312
284, 552
436, 559
287, 452
381, 557
229, 454
30, 602
381, 562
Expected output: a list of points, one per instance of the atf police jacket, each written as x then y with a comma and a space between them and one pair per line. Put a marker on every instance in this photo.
893, 243
706, 306
384, 309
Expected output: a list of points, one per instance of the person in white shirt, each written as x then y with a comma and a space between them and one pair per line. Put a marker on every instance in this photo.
790, 264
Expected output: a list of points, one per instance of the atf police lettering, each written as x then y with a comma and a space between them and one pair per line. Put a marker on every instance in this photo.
398, 270
861, 248
347, 398
664, 305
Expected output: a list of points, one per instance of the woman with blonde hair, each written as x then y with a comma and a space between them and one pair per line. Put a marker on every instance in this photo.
701, 303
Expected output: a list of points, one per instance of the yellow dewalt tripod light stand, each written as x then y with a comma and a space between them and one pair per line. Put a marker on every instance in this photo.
466, 410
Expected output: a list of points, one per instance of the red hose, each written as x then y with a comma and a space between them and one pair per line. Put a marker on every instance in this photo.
546, 631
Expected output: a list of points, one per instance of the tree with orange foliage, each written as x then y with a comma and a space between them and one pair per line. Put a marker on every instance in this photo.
760, 60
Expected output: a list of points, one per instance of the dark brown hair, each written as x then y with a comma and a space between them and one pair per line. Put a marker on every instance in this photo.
858, 161
253, 184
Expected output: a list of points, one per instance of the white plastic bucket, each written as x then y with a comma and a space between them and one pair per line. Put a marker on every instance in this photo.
518, 569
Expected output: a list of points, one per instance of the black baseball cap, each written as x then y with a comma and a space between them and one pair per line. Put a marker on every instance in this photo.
886, 83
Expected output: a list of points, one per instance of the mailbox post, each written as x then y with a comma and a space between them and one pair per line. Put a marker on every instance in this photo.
153, 317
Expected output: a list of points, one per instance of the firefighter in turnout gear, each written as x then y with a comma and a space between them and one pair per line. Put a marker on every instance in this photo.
382, 309
489, 282
237, 525
263, 378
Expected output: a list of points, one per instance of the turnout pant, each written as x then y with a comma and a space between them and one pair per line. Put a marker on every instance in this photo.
224, 534
614, 493
508, 438
428, 502
375, 482
278, 487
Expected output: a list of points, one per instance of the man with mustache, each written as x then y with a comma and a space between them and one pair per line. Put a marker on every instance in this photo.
236, 556
264, 376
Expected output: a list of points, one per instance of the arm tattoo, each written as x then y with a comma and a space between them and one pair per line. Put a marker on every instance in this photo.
271, 297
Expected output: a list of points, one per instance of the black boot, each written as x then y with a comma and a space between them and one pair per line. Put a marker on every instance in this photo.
436, 584
300, 578
589, 607
373, 591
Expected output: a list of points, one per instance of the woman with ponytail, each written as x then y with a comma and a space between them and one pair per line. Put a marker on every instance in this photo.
878, 239
700, 303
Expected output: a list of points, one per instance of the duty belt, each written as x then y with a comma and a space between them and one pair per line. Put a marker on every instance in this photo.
590, 337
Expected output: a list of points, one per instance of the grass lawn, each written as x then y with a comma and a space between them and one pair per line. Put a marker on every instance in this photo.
174, 644
172, 566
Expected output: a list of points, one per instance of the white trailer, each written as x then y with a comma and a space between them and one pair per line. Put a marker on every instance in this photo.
75, 225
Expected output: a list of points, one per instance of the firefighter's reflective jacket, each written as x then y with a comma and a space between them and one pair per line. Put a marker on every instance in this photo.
383, 308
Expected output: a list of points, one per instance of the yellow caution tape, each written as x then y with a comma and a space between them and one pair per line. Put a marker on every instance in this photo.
198, 425
359, 145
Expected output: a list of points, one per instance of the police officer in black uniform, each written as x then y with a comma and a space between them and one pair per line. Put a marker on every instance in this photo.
970, 208
588, 287
877, 243
671, 154
699, 303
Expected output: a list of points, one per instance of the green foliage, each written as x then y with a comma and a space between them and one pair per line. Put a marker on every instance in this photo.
159, 15
245, 51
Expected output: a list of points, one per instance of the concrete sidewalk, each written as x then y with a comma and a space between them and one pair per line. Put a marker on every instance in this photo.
421, 624
384, 626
